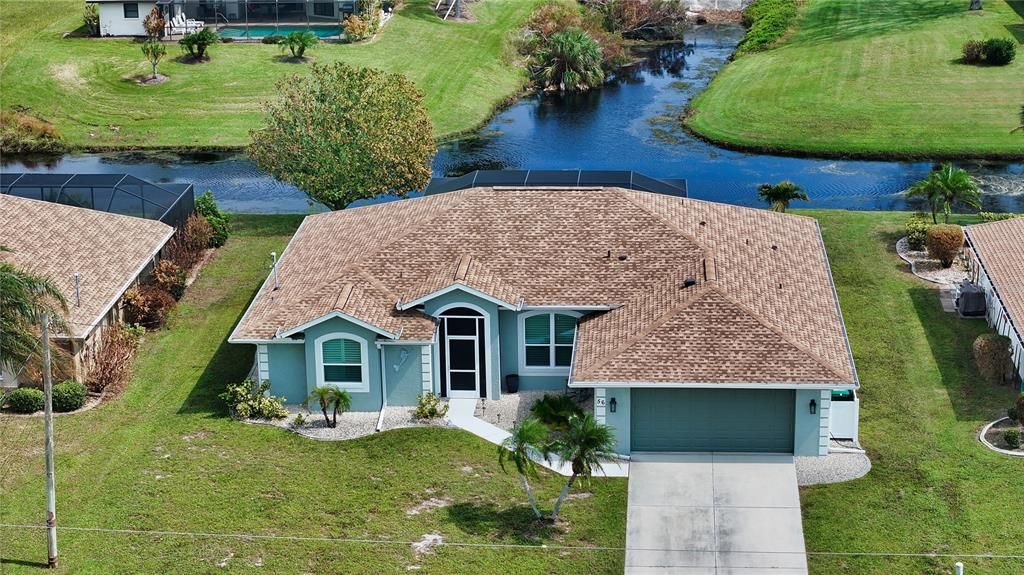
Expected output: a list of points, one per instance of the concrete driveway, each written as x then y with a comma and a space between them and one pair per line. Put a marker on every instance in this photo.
714, 514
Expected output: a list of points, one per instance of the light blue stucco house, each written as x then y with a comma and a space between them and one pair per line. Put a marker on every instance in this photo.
697, 326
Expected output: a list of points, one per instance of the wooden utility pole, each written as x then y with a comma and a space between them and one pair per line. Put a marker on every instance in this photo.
51, 491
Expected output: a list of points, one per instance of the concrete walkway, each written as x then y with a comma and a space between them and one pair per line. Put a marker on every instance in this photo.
461, 414
714, 514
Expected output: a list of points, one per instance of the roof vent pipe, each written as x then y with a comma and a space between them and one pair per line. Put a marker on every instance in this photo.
689, 282
273, 267
78, 289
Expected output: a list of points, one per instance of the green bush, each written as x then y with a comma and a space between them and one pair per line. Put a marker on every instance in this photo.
207, 207
973, 52
68, 396
272, 39
554, 411
997, 216
249, 400
1000, 51
197, 43
917, 231
428, 406
944, 242
298, 42
25, 400
768, 21
992, 356
1012, 413
1012, 438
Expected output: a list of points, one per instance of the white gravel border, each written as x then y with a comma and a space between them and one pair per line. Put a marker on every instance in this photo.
833, 468
918, 259
351, 424
988, 444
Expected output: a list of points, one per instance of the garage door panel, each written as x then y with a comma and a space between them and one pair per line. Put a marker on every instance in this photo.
712, 420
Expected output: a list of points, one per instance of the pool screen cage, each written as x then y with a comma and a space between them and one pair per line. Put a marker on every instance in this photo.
244, 19
122, 194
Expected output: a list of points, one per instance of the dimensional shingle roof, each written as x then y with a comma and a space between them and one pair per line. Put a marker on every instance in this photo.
58, 241
762, 310
1000, 245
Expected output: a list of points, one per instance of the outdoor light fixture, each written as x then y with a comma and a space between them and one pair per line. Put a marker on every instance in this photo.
612, 405
814, 407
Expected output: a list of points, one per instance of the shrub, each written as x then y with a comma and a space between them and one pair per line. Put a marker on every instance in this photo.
997, 216
22, 133
25, 400
298, 42
68, 396
197, 43
299, 422
91, 19
113, 364
170, 278
973, 52
1000, 51
1020, 408
553, 17
147, 305
569, 61
272, 39
429, 406
356, 28
768, 21
154, 23
186, 247
643, 19
207, 207
944, 242
1012, 438
917, 231
1013, 414
554, 410
992, 356
249, 400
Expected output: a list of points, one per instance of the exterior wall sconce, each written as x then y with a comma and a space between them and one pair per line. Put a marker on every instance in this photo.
612, 405
814, 407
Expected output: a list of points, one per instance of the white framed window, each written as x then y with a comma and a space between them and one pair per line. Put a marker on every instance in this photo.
342, 362
546, 340
131, 10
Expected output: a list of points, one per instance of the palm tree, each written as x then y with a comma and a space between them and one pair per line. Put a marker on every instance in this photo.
583, 445
779, 195
298, 42
569, 60
528, 437
946, 187
324, 396
341, 401
24, 298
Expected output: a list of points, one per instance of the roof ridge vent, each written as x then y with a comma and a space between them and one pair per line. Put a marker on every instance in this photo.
343, 296
710, 269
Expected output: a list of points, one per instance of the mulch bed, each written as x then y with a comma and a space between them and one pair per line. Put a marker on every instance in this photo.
995, 435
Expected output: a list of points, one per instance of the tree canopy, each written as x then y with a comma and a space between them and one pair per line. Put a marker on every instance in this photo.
344, 134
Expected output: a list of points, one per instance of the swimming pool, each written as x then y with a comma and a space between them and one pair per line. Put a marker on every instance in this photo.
264, 31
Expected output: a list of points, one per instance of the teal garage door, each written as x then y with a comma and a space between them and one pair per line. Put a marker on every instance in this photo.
712, 420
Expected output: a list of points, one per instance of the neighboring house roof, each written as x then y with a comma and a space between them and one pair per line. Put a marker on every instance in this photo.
762, 310
58, 241
1000, 247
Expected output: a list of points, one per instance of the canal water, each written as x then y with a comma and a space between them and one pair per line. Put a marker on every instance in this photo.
630, 124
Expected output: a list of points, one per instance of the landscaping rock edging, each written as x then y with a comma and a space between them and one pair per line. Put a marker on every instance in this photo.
351, 425
954, 276
988, 444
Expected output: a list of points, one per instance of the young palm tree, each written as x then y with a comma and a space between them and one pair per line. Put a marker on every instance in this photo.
298, 42
324, 396
528, 437
946, 187
24, 298
779, 195
341, 401
569, 61
583, 445
1019, 128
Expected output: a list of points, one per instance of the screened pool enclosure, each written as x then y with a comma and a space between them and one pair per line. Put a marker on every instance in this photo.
255, 19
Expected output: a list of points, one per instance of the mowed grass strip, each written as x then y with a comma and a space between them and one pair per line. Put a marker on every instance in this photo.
85, 85
868, 78
165, 456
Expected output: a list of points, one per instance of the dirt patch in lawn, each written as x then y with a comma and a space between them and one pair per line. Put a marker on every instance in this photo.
428, 505
67, 75
150, 80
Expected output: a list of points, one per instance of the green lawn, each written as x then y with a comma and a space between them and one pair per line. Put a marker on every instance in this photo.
164, 456
871, 78
85, 87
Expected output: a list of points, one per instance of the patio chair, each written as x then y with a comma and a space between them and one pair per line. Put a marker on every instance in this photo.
181, 25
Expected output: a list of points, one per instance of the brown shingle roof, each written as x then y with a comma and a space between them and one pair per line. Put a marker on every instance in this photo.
1000, 245
595, 247
57, 241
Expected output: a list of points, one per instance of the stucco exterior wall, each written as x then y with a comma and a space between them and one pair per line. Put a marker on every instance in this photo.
509, 334
113, 22
369, 400
807, 427
286, 370
403, 373
618, 421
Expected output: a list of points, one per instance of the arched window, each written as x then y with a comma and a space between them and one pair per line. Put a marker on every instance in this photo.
341, 362
546, 341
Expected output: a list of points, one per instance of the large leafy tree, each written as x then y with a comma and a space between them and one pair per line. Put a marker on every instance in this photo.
569, 61
583, 445
527, 438
344, 134
24, 299
778, 196
945, 188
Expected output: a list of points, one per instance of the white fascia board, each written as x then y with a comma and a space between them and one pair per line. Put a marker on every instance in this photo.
402, 306
340, 315
839, 309
707, 385
283, 340
570, 307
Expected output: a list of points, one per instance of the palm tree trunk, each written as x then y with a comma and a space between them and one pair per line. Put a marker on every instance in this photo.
529, 495
562, 496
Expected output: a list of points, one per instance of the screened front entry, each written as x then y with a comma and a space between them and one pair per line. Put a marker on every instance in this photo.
463, 353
